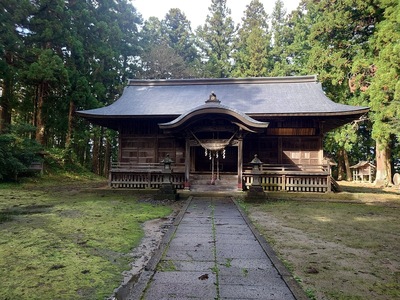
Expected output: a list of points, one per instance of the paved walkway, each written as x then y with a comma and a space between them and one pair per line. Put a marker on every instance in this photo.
212, 253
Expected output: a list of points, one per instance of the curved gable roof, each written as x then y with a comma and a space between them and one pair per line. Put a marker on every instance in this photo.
255, 97
214, 108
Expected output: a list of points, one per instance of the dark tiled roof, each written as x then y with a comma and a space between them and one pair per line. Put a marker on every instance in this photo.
273, 96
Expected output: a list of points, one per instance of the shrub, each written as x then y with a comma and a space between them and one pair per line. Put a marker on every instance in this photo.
17, 152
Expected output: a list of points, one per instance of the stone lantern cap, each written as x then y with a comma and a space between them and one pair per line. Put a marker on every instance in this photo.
256, 161
167, 161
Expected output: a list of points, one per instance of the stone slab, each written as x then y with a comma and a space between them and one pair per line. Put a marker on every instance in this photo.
228, 238
256, 264
195, 241
197, 221
199, 266
187, 277
188, 236
250, 277
238, 251
194, 230
237, 229
190, 246
228, 291
229, 221
189, 255
161, 291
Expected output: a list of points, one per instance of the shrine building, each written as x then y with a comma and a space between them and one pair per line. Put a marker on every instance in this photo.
213, 128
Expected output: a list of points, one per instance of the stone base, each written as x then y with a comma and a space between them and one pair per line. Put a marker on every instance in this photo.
166, 191
255, 194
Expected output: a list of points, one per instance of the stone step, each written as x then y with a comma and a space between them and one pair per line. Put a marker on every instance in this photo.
203, 182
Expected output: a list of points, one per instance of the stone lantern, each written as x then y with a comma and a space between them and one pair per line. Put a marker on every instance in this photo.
256, 170
167, 161
256, 163
256, 191
167, 190
167, 170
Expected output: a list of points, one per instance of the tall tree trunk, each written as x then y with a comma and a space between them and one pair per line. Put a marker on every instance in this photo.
68, 139
340, 170
347, 165
107, 157
5, 117
383, 168
101, 151
7, 95
96, 152
40, 124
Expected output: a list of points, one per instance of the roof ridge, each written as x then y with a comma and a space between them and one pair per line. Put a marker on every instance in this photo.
219, 81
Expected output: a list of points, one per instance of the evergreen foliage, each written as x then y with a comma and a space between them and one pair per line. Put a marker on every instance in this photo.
169, 47
215, 39
278, 29
180, 36
252, 43
60, 56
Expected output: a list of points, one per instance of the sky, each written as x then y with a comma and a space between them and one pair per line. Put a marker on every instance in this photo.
196, 10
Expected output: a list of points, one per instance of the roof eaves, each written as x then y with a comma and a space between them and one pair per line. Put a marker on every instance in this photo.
311, 114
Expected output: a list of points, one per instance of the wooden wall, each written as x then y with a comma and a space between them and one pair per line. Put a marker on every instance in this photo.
141, 141
305, 150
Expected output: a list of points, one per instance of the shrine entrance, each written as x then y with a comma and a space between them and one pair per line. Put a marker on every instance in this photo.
224, 161
214, 139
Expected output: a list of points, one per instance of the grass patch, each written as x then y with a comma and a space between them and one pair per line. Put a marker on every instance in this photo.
166, 266
59, 242
228, 262
337, 249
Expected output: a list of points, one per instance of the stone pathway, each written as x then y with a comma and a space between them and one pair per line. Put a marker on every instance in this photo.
213, 253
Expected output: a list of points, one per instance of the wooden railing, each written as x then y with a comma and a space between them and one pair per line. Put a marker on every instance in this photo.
292, 178
291, 183
138, 167
142, 176
279, 168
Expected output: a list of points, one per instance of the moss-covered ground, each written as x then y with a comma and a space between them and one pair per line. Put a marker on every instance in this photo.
61, 240
345, 247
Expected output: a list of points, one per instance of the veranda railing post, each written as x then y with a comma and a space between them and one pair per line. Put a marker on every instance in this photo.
329, 183
283, 182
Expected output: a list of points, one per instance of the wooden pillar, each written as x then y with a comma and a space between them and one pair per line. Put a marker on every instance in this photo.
329, 184
321, 142
370, 174
280, 150
120, 144
187, 164
240, 163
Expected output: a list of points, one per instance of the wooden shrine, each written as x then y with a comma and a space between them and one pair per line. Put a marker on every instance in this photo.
214, 127
363, 171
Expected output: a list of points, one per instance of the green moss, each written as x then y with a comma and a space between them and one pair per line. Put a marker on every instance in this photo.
228, 262
166, 266
67, 243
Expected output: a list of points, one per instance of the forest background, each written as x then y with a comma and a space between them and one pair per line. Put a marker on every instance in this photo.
59, 56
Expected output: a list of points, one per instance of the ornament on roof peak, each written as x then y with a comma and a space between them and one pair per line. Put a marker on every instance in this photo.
213, 98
